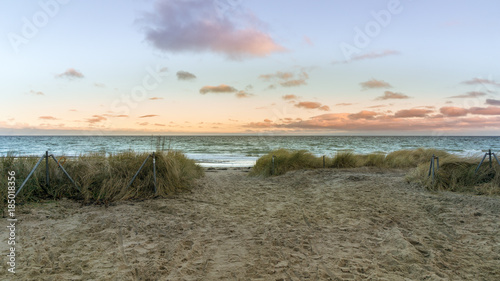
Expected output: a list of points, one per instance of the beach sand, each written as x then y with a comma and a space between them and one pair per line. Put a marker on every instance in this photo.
324, 224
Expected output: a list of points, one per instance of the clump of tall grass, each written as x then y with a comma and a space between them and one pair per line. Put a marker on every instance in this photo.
373, 160
101, 177
285, 160
459, 175
412, 158
344, 160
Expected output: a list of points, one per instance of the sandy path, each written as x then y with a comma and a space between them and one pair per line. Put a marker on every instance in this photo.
306, 225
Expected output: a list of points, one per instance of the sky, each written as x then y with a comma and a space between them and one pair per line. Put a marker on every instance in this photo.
323, 67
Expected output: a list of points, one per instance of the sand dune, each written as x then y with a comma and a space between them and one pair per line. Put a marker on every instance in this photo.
330, 224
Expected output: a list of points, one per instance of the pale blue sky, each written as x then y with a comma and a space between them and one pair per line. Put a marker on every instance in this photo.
426, 52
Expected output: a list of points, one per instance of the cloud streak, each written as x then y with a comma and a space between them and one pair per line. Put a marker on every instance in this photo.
221, 89
312, 105
493, 102
388, 95
289, 97
184, 75
452, 111
374, 84
47, 118
243, 94
480, 81
403, 120
412, 113
96, 119
70, 74
469, 95
372, 55
37, 93
286, 79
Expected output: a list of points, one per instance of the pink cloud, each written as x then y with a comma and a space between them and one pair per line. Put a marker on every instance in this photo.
37, 93
289, 97
342, 122
411, 113
264, 124
469, 95
293, 83
96, 119
243, 94
476, 81
490, 110
278, 75
365, 114
286, 79
179, 26
148, 116
47, 118
71, 73
453, 111
493, 102
222, 88
312, 105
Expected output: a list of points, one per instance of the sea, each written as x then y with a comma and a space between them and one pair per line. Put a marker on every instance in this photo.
241, 151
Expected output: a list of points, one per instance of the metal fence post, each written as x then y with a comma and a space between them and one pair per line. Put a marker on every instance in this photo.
272, 167
47, 174
431, 165
489, 153
154, 172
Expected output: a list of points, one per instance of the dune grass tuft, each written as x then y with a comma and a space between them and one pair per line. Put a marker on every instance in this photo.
455, 173
102, 178
285, 160
458, 175
412, 158
344, 160
373, 160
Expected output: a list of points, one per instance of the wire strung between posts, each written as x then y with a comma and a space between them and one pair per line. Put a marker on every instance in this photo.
47, 175
489, 153
140, 169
